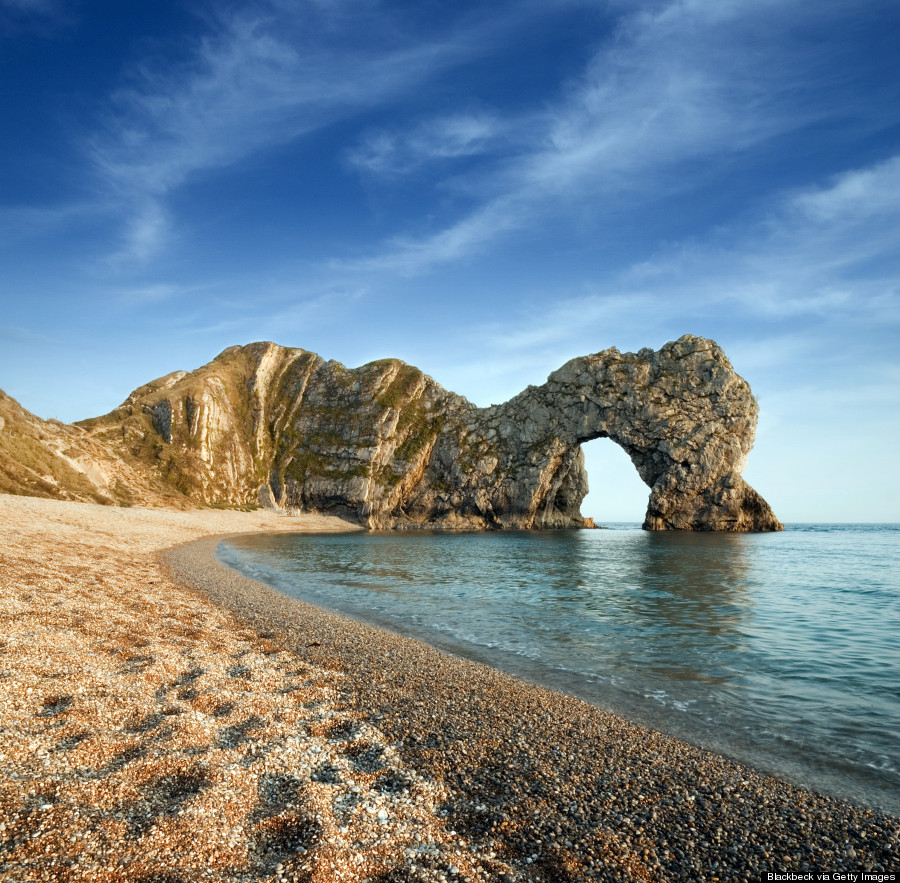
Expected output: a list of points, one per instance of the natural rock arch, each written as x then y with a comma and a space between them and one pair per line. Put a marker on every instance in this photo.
682, 415
616, 493
385, 445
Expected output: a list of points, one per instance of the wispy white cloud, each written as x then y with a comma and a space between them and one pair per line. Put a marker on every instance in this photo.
261, 78
19, 221
821, 251
679, 90
782, 289
549, 328
777, 287
145, 231
407, 256
827, 253
849, 225
433, 140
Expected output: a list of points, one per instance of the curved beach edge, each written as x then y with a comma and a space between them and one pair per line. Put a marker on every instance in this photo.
561, 788
175, 720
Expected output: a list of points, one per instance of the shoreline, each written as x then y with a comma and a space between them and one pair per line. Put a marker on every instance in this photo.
488, 723
708, 677
179, 718
834, 776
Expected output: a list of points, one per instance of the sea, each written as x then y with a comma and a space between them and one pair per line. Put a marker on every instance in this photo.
779, 650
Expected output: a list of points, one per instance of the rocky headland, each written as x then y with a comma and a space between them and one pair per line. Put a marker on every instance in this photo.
385, 446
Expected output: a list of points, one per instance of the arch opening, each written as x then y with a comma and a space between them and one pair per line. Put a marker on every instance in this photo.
616, 491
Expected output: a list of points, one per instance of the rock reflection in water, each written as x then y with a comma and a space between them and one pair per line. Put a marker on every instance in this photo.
694, 596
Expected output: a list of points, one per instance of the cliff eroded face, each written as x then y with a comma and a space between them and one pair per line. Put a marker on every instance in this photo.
387, 446
48, 458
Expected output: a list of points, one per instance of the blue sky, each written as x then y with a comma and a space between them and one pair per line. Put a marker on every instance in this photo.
484, 190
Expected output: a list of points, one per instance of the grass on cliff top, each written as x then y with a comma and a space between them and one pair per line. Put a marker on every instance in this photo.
26, 463
401, 388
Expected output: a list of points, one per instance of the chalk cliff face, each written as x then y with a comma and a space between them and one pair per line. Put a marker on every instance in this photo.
387, 446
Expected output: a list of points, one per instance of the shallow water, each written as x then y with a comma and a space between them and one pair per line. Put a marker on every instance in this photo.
779, 650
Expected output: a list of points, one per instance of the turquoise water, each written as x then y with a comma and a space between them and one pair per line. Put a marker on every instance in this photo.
779, 650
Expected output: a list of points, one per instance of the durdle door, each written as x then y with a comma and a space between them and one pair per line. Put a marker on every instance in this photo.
388, 447
684, 417
686, 420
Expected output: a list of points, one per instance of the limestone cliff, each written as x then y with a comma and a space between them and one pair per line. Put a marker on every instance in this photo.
47, 458
387, 446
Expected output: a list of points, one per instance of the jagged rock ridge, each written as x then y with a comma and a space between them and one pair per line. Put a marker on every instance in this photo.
385, 445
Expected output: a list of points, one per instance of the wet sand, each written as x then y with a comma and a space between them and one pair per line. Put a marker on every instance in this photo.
164, 719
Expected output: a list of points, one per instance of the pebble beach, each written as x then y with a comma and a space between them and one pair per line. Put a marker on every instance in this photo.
164, 719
